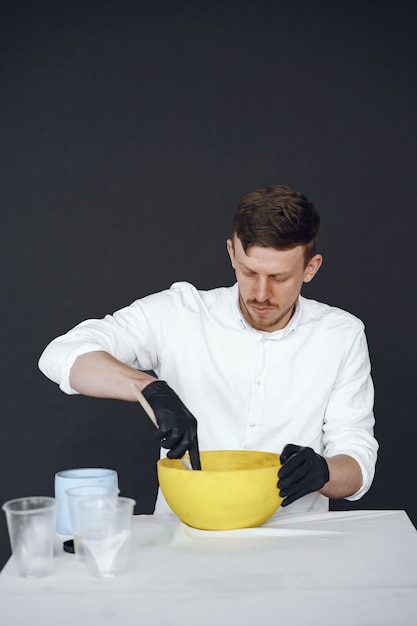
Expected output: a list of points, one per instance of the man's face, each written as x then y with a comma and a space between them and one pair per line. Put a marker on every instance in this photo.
270, 282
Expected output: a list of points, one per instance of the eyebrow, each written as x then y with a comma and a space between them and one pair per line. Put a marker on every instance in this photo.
277, 274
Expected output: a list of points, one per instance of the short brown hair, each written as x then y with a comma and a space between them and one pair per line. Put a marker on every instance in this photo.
277, 217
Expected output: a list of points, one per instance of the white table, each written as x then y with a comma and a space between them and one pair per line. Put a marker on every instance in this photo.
342, 568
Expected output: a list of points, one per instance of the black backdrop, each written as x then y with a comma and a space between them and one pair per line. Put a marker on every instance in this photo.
129, 132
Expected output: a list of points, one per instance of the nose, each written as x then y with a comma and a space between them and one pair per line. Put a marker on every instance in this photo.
262, 289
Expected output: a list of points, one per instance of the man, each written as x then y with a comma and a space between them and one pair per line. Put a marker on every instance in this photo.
259, 365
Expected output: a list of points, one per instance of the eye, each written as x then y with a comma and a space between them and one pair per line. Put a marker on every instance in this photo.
248, 273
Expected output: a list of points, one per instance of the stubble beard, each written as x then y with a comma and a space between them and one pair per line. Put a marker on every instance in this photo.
265, 324
257, 322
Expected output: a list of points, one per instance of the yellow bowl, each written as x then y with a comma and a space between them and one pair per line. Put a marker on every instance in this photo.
234, 489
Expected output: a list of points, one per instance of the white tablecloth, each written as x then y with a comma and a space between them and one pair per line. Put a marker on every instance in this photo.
342, 568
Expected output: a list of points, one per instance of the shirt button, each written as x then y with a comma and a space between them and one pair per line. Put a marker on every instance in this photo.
257, 381
252, 424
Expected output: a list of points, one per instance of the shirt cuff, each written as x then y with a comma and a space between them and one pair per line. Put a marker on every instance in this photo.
366, 478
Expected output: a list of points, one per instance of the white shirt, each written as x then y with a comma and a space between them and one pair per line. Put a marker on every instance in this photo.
307, 384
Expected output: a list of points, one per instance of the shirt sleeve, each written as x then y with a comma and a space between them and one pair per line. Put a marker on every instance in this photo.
349, 419
127, 335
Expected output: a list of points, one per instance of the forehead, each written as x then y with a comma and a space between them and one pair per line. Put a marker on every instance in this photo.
269, 260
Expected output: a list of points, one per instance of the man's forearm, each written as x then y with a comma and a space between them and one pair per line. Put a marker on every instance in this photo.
100, 375
345, 477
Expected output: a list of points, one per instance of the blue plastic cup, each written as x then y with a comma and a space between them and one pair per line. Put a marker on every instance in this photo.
67, 479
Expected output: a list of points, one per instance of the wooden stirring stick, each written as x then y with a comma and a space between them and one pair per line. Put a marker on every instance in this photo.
145, 404
151, 414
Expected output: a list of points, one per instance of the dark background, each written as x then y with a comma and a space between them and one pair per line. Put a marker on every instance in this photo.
129, 131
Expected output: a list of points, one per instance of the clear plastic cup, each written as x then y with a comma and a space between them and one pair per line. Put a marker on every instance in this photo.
77, 494
104, 533
31, 524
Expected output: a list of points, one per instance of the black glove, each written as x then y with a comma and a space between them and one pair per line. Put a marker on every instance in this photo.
302, 472
177, 426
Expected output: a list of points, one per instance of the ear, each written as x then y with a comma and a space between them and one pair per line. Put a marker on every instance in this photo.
312, 267
231, 252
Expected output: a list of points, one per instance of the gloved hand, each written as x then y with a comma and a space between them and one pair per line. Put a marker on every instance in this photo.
303, 471
177, 426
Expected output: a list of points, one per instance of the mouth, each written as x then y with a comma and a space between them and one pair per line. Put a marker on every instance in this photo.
261, 310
